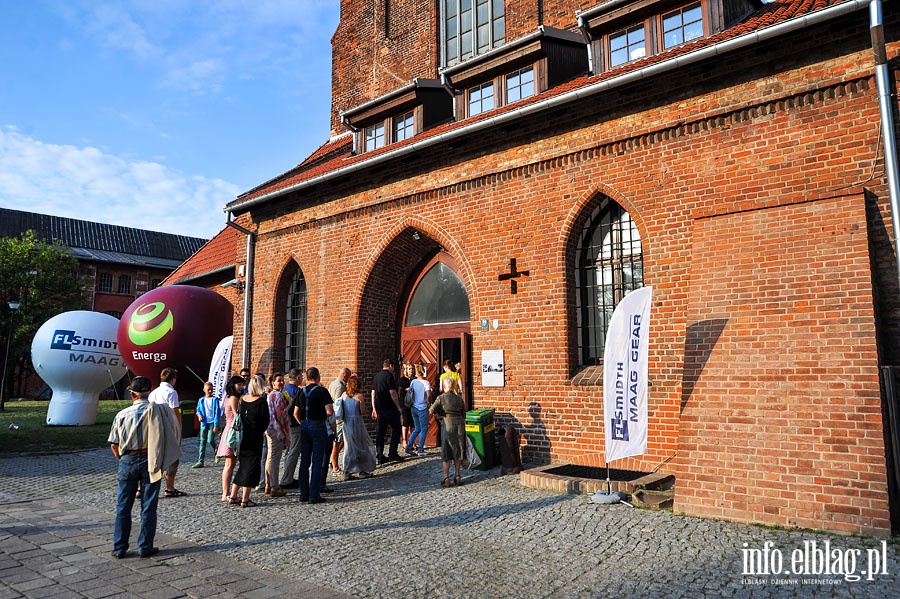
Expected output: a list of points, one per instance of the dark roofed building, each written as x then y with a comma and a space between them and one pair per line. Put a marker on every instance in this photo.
117, 264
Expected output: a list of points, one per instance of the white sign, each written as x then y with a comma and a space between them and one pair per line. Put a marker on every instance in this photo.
625, 365
492, 368
218, 368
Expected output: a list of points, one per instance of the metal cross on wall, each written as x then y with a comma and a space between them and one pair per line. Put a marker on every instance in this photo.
512, 275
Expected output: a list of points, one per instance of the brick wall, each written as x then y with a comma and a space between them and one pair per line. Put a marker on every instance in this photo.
733, 143
781, 410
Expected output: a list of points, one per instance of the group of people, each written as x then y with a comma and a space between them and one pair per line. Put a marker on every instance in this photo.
295, 416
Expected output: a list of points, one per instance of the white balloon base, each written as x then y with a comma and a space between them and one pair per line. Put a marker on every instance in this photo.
72, 408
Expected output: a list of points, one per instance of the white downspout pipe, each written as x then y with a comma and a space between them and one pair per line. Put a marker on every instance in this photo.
882, 78
248, 288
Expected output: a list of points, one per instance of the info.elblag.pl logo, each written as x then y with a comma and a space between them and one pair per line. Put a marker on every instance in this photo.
819, 560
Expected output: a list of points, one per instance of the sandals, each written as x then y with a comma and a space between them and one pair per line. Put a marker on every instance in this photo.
277, 492
446, 482
457, 481
248, 503
234, 501
174, 493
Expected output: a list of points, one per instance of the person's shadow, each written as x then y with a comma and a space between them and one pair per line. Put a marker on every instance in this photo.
537, 443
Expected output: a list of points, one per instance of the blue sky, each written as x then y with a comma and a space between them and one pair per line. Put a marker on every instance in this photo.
156, 113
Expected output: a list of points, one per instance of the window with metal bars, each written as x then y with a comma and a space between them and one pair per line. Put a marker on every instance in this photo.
608, 264
471, 27
124, 284
295, 324
104, 282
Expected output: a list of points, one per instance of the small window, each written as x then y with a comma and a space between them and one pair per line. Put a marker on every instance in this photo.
124, 284
155, 283
104, 282
481, 98
626, 45
682, 25
115, 313
374, 137
404, 127
520, 84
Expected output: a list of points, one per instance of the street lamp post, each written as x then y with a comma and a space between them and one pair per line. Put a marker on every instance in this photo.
13, 306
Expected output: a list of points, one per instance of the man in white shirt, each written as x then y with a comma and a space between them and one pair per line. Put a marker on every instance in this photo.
167, 395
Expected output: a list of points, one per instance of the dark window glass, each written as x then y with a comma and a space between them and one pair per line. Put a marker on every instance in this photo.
295, 324
608, 264
440, 297
104, 282
124, 284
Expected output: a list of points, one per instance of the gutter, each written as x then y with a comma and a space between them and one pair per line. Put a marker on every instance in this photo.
882, 78
248, 288
678, 62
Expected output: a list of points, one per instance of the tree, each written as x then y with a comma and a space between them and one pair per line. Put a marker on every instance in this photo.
43, 278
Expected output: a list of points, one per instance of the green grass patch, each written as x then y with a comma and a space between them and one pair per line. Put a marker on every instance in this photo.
33, 434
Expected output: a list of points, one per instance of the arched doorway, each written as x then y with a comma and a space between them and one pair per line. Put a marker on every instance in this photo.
435, 322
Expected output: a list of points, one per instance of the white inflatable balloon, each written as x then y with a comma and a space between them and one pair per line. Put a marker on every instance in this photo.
77, 354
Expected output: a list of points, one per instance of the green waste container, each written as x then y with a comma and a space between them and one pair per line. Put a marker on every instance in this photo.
188, 418
480, 428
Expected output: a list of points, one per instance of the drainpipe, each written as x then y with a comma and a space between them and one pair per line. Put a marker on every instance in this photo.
882, 77
248, 288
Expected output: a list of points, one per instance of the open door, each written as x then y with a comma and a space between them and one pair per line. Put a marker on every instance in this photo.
436, 325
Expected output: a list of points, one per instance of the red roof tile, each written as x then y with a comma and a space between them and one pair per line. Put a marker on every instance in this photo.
336, 153
216, 254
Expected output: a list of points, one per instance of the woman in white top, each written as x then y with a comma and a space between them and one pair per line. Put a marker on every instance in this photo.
422, 389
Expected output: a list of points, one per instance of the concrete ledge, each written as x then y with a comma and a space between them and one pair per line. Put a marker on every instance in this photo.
540, 478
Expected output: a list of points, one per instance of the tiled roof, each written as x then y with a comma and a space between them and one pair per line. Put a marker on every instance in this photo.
216, 255
104, 243
336, 153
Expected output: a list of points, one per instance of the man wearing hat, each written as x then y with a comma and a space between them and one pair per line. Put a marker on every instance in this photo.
128, 441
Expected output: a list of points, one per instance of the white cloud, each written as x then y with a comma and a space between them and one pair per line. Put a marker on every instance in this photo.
88, 184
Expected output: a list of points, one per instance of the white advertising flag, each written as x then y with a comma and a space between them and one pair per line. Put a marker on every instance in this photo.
218, 368
625, 376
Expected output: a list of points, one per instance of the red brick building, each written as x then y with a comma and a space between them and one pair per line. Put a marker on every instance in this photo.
500, 174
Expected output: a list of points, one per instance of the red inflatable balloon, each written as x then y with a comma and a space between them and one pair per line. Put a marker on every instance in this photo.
177, 326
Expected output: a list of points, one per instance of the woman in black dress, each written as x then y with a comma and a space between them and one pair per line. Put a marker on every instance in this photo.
254, 411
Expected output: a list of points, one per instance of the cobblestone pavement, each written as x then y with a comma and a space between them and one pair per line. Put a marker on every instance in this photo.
400, 534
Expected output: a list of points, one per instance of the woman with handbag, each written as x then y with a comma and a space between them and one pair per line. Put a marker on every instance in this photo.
233, 391
254, 410
450, 409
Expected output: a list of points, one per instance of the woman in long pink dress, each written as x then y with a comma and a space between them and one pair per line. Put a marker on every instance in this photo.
233, 390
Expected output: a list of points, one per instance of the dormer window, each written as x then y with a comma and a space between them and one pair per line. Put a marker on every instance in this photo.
621, 32
481, 98
682, 25
374, 137
519, 84
627, 44
398, 115
404, 126
518, 70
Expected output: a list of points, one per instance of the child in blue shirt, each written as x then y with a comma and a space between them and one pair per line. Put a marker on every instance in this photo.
209, 411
